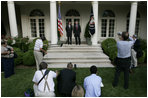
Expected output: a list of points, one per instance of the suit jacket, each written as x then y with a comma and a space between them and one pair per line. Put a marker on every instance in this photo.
137, 45
69, 31
137, 48
77, 31
66, 81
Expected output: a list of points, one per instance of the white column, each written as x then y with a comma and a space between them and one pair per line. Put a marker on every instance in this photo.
12, 19
53, 22
133, 15
94, 38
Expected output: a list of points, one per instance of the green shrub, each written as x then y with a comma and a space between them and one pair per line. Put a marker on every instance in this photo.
9, 42
28, 58
112, 51
31, 46
143, 43
109, 42
142, 59
45, 46
17, 43
24, 44
19, 59
109, 48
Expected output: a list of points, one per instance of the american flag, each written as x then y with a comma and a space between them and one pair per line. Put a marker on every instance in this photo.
60, 27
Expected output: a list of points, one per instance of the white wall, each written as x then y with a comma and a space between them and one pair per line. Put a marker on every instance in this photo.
120, 18
120, 11
25, 11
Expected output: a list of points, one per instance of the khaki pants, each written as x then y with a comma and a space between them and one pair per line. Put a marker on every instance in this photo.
42, 94
133, 57
38, 58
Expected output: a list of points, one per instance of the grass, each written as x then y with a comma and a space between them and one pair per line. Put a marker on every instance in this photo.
22, 80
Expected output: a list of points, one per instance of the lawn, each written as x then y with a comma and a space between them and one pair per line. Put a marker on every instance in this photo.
18, 83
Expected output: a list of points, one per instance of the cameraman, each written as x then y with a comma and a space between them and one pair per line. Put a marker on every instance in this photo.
7, 58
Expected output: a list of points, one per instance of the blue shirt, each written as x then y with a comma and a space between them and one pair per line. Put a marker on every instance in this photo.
92, 85
124, 48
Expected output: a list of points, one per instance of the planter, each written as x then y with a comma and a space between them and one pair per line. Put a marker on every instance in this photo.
88, 41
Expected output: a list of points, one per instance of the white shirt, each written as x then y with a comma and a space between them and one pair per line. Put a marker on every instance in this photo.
38, 44
92, 85
124, 48
38, 75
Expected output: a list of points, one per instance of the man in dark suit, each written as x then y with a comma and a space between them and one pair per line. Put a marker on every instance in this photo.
77, 31
136, 51
66, 81
69, 33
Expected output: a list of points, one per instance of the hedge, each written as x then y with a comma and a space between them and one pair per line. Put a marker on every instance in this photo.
142, 58
144, 47
28, 58
19, 59
110, 48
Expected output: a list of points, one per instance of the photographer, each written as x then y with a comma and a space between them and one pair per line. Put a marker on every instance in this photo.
123, 60
7, 58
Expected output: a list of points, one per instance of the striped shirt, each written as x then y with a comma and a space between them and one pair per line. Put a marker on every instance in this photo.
38, 45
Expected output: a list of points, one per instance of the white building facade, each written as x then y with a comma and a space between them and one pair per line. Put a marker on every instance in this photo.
35, 18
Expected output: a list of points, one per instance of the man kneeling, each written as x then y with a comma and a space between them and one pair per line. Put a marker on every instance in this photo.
45, 88
93, 83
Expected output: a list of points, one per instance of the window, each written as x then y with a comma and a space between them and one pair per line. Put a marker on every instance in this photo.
33, 27
137, 23
107, 24
72, 15
36, 12
108, 13
37, 23
72, 12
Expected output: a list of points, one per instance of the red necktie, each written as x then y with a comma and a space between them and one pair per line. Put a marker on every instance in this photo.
76, 27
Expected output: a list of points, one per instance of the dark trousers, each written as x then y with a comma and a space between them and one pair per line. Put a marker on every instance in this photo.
8, 64
77, 39
65, 95
123, 64
69, 40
